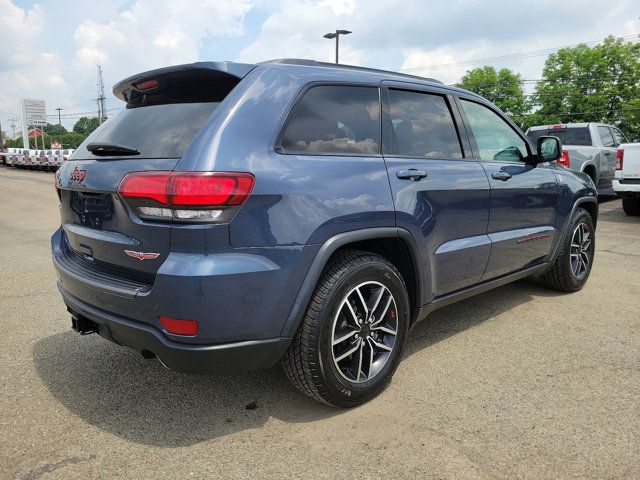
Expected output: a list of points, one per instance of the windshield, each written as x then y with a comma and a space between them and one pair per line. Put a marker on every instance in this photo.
157, 131
568, 136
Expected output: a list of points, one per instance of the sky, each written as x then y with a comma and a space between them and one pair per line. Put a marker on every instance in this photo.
50, 49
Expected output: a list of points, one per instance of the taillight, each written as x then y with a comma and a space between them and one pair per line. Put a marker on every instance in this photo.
564, 159
619, 159
189, 196
65, 159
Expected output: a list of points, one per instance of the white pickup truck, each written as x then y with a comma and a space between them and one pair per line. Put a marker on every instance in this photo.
627, 178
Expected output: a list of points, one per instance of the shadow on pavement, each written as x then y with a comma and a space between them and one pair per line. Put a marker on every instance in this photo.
114, 389
473, 311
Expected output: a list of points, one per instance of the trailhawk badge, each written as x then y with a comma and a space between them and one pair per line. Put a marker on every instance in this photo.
142, 255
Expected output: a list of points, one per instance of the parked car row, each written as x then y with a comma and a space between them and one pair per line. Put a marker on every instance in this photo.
48, 160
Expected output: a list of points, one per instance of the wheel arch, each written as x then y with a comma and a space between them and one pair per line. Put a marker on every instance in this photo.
590, 204
395, 244
591, 167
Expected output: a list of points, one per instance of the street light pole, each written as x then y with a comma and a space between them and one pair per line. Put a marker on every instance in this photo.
336, 35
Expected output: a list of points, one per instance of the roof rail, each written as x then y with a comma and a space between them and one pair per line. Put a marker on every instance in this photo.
315, 63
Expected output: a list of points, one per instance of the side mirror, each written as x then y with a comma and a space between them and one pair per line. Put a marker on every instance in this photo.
549, 149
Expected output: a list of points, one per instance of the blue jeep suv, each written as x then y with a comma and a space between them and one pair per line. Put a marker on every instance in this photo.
235, 215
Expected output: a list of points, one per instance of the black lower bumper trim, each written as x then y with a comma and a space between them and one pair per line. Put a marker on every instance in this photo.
188, 358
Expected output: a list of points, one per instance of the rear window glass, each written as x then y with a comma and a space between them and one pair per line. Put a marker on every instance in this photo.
157, 131
335, 120
568, 136
422, 126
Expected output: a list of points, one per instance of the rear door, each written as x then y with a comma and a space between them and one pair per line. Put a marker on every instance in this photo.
163, 114
441, 194
608, 154
523, 196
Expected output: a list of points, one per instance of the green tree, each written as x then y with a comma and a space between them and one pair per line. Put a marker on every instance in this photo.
71, 139
54, 130
591, 84
503, 87
86, 125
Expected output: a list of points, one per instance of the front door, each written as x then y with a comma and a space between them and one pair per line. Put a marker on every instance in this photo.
523, 195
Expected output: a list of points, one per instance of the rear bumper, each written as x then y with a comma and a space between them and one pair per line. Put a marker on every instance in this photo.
241, 301
187, 358
621, 187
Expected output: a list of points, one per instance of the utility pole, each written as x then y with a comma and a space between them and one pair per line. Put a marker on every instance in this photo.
101, 98
13, 127
59, 121
336, 35
1, 140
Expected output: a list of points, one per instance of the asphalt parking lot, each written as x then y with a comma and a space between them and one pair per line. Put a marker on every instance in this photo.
520, 382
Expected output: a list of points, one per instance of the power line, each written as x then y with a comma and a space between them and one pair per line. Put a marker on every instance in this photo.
512, 56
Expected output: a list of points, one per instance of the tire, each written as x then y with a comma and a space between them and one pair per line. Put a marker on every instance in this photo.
631, 205
313, 361
572, 267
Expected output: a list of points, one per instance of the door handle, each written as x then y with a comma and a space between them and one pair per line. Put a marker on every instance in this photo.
411, 174
501, 175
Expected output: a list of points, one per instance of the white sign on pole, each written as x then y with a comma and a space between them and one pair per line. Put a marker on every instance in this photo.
35, 112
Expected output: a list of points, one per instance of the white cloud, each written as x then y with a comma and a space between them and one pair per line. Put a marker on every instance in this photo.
156, 33
296, 30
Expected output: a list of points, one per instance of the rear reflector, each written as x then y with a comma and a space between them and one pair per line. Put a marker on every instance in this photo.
179, 327
619, 159
564, 159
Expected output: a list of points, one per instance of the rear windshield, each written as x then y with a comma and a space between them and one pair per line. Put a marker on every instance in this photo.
568, 136
156, 131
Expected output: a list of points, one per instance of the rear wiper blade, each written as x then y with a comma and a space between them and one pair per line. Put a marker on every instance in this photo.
108, 149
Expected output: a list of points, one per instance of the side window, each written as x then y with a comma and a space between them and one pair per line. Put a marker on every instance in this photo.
606, 137
422, 126
335, 120
496, 140
618, 137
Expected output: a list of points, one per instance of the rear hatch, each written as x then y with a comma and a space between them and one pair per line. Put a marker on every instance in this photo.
164, 111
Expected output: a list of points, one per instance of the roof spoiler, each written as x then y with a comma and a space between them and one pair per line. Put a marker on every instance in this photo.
194, 82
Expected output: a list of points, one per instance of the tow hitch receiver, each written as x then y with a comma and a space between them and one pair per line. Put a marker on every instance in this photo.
83, 325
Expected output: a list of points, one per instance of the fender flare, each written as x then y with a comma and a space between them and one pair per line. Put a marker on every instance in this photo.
327, 249
565, 228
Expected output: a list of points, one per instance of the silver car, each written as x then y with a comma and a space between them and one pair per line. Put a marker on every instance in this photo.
587, 147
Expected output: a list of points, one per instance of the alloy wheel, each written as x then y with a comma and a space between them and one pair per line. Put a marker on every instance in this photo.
364, 332
580, 256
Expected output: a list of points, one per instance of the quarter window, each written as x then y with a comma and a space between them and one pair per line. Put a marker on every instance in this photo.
332, 119
605, 136
496, 140
422, 126
618, 137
